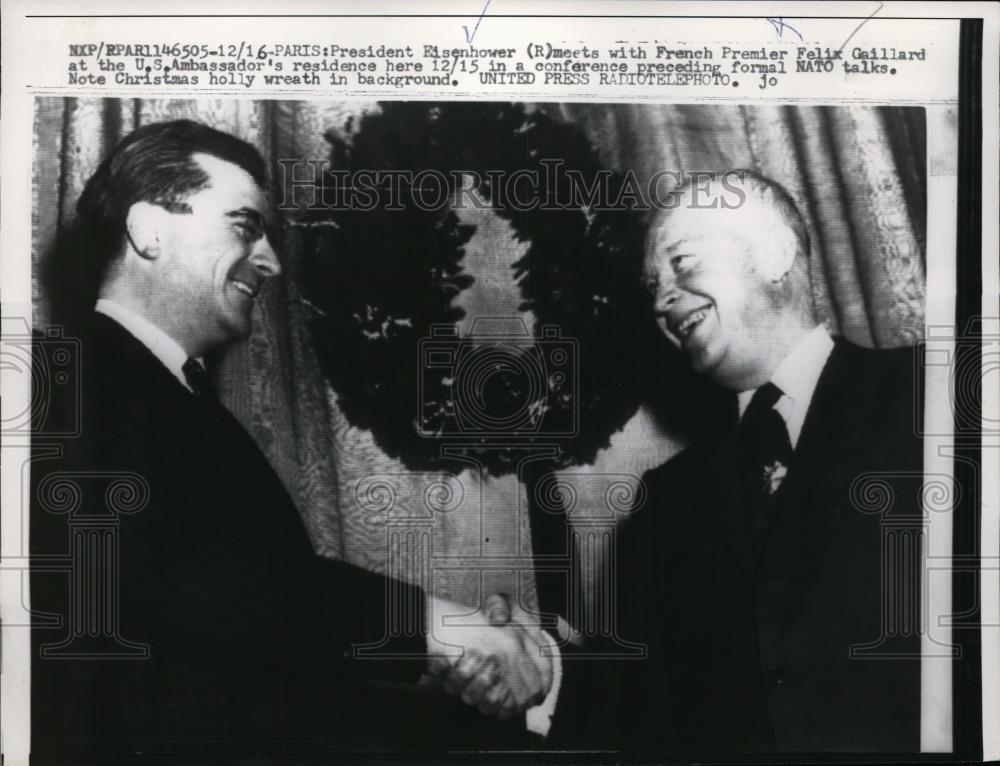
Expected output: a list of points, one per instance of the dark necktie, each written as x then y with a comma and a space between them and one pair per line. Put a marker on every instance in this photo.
765, 454
197, 378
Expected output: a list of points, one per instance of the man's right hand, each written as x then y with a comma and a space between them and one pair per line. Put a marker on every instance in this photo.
491, 662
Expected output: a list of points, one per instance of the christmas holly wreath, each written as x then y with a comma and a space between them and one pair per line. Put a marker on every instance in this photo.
382, 264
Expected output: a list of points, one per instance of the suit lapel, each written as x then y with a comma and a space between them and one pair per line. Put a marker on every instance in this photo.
196, 440
801, 499
801, 492
725, 491
126, 364
131, 370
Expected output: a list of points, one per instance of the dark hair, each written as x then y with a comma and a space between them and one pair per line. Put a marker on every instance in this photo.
153, 164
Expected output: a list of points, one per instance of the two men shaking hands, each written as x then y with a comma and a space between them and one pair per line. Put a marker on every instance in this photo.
219, 577
502, 667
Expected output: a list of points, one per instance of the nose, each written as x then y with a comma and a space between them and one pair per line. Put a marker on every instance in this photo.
667, 294
264, 259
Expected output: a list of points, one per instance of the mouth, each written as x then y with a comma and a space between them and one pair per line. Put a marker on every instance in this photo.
248, 289
682, 327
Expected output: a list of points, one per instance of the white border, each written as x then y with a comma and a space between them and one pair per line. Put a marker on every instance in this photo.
16, 108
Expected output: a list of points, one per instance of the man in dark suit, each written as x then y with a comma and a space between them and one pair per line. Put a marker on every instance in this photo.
777, 595
773, 572
180, 606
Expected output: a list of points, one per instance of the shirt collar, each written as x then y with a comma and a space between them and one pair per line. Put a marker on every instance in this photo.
161, 345
799, 372
796, 377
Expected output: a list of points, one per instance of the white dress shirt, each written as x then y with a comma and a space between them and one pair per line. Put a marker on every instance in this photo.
161, 345
539, 717
796, 378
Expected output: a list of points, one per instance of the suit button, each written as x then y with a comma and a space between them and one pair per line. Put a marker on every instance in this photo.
777, 676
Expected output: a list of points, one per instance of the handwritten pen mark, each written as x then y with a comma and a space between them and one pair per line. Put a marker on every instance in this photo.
780, 26
470, 37
863, 22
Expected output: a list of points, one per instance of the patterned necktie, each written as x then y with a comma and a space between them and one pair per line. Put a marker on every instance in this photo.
765, 454
763, 439
197, 378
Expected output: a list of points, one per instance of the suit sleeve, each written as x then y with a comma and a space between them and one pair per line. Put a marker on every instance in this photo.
281, 613
219, 565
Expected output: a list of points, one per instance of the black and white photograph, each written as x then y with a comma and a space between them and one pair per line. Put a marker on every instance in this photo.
627, 395
407, 427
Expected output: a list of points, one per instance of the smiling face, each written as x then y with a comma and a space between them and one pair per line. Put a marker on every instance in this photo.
215, 258
713, 294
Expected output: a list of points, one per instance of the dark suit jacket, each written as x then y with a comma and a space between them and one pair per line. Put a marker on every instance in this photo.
249, 633
808, 643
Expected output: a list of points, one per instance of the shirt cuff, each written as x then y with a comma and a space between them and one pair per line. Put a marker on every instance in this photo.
539, 717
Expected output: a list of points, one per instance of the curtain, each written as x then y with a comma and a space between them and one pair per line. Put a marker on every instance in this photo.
857, 172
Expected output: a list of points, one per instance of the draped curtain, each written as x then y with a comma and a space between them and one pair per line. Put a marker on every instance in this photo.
857, 172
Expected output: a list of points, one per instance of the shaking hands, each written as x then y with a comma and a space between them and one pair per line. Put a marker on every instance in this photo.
493, 660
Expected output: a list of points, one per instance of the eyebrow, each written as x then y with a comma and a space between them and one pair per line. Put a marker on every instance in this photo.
680, 244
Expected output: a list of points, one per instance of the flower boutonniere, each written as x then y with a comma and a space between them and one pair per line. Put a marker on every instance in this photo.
774, 474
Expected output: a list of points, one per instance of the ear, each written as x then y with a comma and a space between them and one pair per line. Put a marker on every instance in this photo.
781, 248
145, 226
